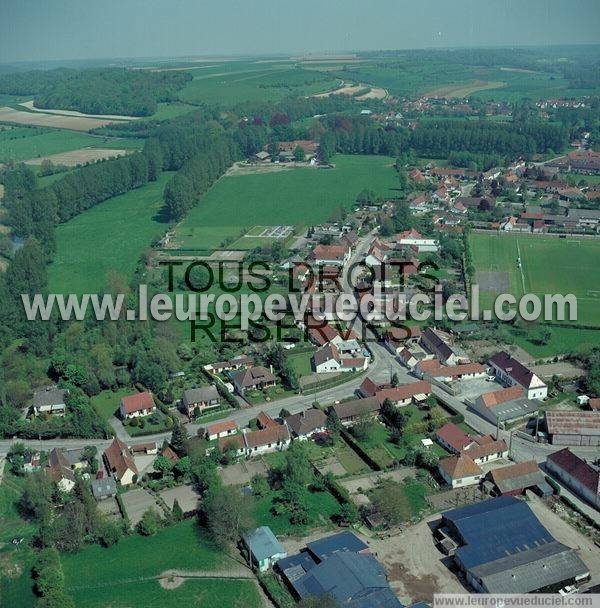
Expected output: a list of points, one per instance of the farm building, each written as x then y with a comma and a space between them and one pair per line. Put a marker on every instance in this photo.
140, 404
512, 372
434, 370
505, 405
203, 398
264, 548
342, 567
439, 344
501, 547
516, 478
580, 476
414, 238
566, 427
331, 255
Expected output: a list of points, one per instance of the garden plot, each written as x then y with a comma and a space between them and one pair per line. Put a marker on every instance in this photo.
137, 502
243, 472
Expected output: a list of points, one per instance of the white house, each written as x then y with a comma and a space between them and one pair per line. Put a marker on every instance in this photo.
140, 404
263, 548
414, 238
459, 471
510, 371
50, 400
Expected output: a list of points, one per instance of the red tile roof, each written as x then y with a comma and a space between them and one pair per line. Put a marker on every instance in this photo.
400, 393
137, 402
577, 468
454, 436
119, 458
502, 396
458, 467
221, 427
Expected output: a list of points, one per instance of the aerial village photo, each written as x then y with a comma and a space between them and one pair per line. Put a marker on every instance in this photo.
299, 304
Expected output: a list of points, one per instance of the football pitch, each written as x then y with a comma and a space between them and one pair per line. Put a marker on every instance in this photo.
548, 265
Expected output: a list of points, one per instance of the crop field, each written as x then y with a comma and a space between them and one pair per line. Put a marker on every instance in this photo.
464, 89
58, 121
296, 197
109, 236
234, 83
79, 157
23, 143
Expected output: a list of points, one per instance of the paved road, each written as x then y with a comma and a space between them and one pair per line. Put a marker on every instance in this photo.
383, 365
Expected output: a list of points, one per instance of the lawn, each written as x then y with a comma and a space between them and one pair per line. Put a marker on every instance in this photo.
194, 593
109, 236
297, 197
320, 507
17, 591
301, 363
162, 424
11, 523
22, 143
107, 403
406, 501
549, 265
180, 546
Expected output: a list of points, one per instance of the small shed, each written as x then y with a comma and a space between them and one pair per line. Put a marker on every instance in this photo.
104, 488
264, 548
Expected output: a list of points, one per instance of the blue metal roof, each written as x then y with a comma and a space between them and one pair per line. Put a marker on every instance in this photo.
263, 544
496, 528
344, 541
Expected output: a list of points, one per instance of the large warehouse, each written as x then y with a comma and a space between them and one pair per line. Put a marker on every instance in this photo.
501, 547
570, 427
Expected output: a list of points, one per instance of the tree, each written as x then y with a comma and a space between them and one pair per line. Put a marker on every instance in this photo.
177, 511
283, 413
298, 154
395, 379
259, 485
227, 514
163, 465
179, 439
150, 523
348, 513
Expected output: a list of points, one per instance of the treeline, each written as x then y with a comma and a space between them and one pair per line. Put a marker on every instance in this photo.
440, 138
35, 212
97, 91
196, 176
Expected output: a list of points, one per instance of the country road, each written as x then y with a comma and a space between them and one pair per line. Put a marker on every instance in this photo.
384, 364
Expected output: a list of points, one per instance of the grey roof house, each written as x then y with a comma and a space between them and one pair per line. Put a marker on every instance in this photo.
204, 397
50, 400
263, 547
104, 488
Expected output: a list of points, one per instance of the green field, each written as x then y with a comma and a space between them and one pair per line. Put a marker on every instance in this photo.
549, 265
232, 83
180, 546
109, 236
194, 593
24, 143
121, 576
106, 403
296, 197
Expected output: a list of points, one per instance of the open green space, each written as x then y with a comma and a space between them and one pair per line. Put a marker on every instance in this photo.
320, 507
16, 585
236, 82
301, 362
562, 340
193, 593
170, 110
12, 525
25, 143
108, 237
107, 403
180, 546
298, 197
549, 265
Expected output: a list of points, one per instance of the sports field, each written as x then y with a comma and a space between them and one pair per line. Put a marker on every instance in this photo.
294, 197
109, 236
549, 265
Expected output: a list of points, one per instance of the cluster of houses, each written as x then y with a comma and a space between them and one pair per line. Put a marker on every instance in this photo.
287, 151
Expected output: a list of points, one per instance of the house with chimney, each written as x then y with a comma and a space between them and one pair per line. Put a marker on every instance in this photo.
120, 463
134, 406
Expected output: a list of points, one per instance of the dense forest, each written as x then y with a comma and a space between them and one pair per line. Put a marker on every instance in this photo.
97, 91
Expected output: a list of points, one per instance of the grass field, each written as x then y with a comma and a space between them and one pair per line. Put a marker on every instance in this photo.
549, 265
236, 82
294, 197
180, 546
109, 236
97, 577
194, 593
22, 143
